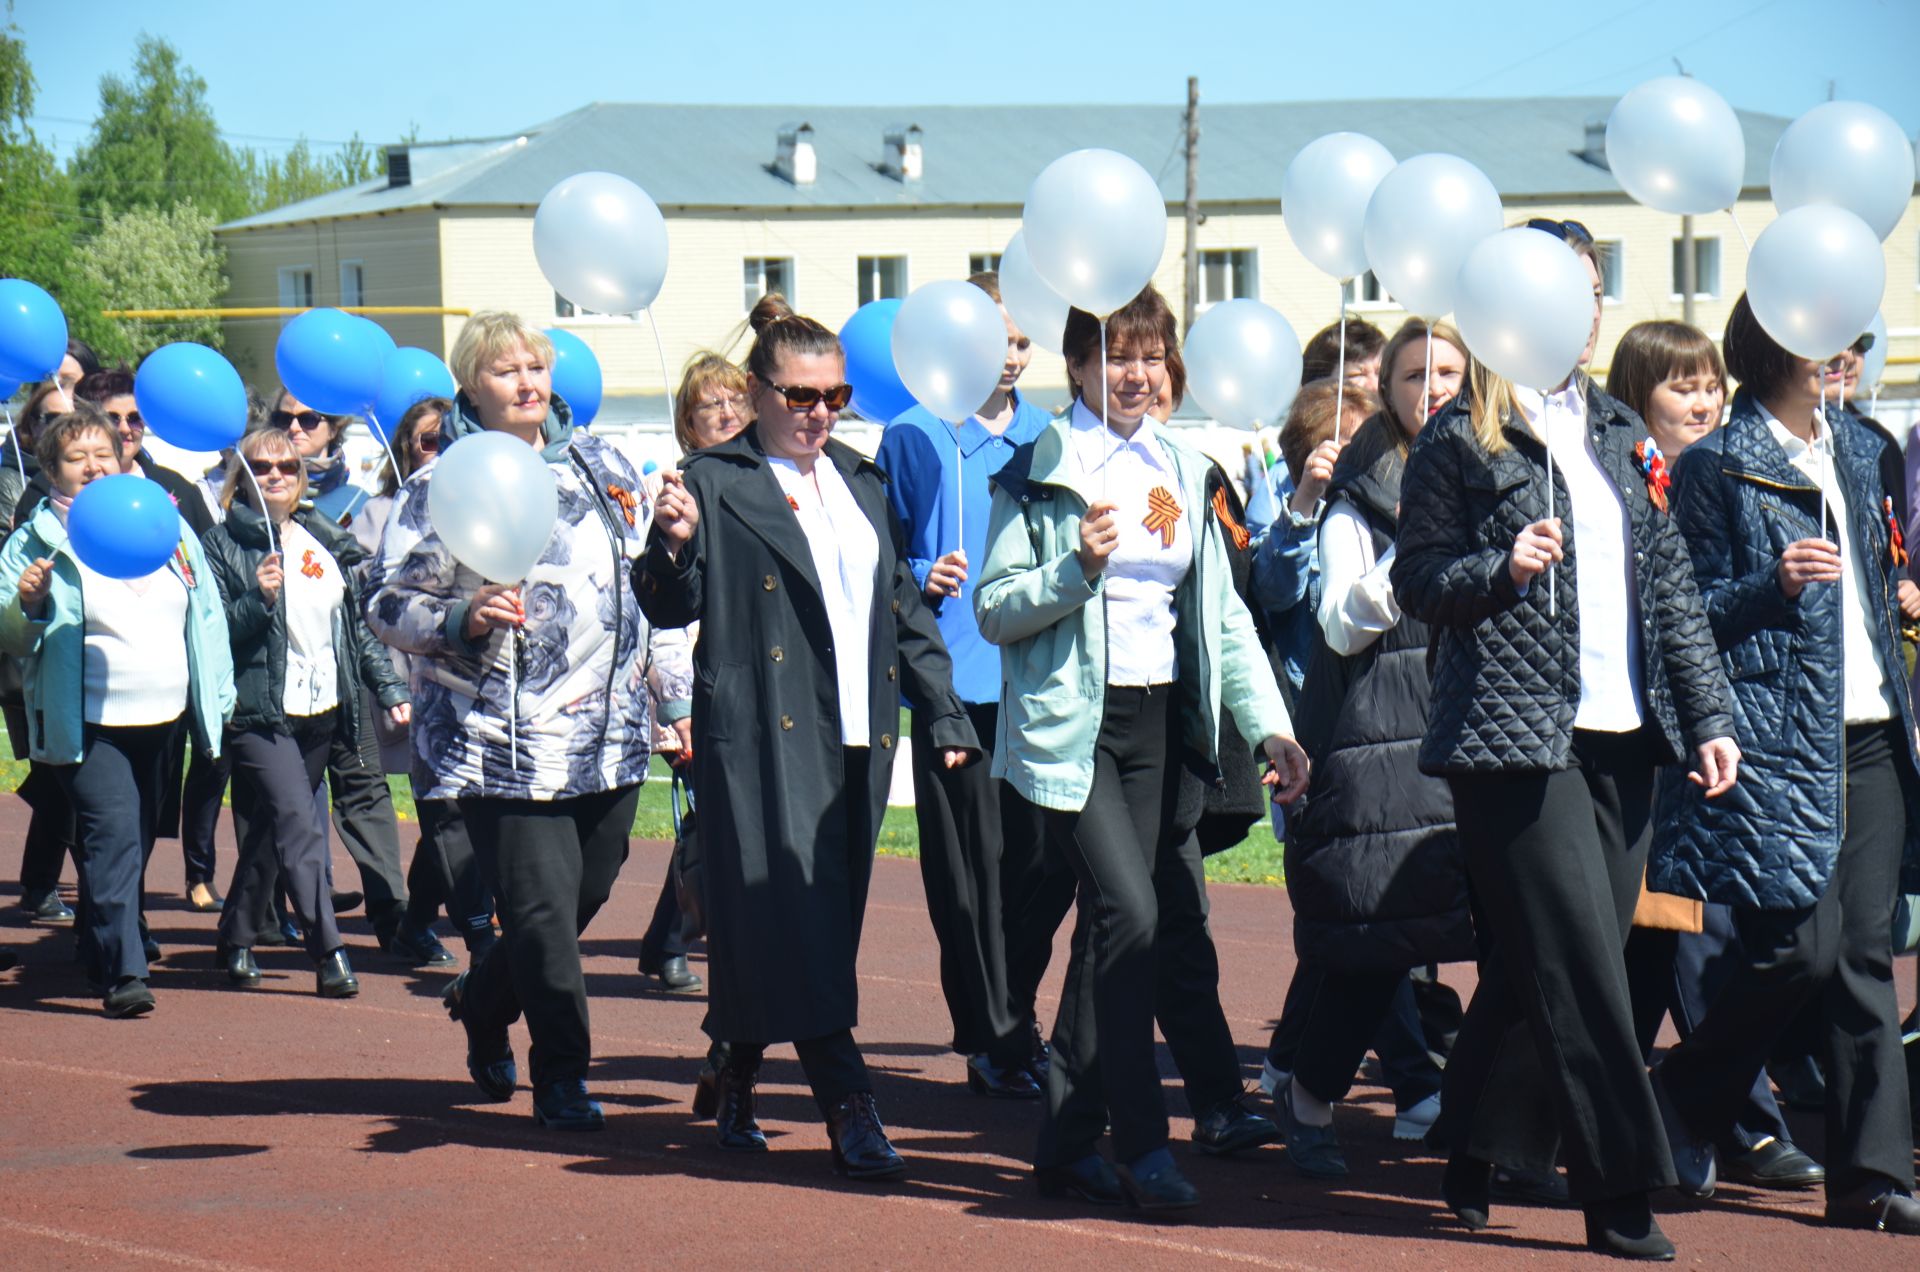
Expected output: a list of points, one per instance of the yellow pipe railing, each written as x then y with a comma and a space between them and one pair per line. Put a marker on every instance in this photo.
283, 311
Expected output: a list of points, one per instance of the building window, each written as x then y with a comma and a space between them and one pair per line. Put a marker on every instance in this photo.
982, 262
1706, 267
882, 278
1365, 291
1613, 269
353, 283
296, 287
1227, 274
763, 274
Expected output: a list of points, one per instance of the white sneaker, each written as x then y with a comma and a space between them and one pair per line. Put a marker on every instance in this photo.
1418, 1120
1270, 1077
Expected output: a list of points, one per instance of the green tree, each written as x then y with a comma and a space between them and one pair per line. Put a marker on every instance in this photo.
154, 143
147, 258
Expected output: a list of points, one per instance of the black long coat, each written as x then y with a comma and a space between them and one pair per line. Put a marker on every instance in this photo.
787, 861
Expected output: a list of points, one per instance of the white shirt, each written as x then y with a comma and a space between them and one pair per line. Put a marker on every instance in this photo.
846, 552
1146, 565
1356, 597
313, 590
1866, 693
134, 669
1609, 618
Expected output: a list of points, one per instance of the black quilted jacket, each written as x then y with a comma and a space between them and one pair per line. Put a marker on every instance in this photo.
1771, 841
1506, 675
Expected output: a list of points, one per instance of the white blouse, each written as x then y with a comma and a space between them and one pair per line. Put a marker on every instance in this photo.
134, 666
1356, 597
314, 590
846, 553
1147, 565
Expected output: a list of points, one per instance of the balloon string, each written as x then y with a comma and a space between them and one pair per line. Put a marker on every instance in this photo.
1105, 428
260, 497
1738, 229
516, 640
1825, 437
660, 349
959, 493
1340, 381
386, 443
19, 457
1546, 439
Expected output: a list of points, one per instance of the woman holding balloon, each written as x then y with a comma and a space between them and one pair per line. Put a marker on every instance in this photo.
501, 572
1573, 658
110, 606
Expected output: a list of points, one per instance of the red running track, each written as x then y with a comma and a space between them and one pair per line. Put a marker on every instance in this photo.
236, 1130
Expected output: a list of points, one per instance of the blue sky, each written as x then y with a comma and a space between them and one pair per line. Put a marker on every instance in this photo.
326, 70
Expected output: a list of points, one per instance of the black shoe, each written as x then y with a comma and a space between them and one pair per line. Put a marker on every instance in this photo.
1801, 1084
489, 1053
1314, 1150
861, 1149
1091, 1179
1042, 1062
1154, 1183
1467, 1188
1624, 1228
565, 1106
1693, 1160
282, 933
420, 949
202, 899
675, 977
1880, 1207
726, 1095
45, 907
334, 977
1773, 1163
238, 962
986, 1078
1232, 1128
149, 948
345, 901
1530, 1187
127, 999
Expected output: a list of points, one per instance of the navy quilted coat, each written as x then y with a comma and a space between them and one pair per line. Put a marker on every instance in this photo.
1771, 841
1506, 674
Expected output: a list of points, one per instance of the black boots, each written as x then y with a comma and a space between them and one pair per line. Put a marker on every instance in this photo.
725, 1094
860, 1146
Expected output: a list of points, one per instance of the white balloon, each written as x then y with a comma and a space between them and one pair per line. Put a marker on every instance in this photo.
1423, 219
1323, 199
949, 347
494, 504
1036, 308
601, 242
1096, 227
1847, 154
1815, 279
1525, 306
1675, 145
1874, 363
1243, 363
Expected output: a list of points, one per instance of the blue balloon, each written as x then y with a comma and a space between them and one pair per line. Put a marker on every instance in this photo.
408, 376
192, 397
331, 361
649, 468
124, 527
33, 331
576, 375
387, 345
867, 339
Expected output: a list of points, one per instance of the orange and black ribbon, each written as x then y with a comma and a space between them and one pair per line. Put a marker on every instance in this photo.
624, 497
1163, 515
311, 568
1223, 509
1896, 541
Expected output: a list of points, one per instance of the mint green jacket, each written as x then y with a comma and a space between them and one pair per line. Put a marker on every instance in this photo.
1034, 601
52, 649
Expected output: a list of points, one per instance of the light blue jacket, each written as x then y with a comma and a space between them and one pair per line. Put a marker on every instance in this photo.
1033, 601
52, 649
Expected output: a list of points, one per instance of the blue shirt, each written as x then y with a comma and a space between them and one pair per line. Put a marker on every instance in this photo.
924, 457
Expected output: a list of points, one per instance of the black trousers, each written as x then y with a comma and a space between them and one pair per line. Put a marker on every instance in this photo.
1838, 952
445, 872
551, 864
670, 932
51, 834
1036, 895
115, 795
1555, 860
363, 814
276, 778
1342, 1015
1141, 949
1682, 973
833, 1064
200, 805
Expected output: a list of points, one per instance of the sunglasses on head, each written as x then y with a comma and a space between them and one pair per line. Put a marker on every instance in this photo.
1565, 231
307, 420
285, 467
803, 397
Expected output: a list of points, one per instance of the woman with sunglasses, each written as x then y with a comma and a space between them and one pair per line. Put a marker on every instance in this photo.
781, 544
301, 653
1554, 702
1108, 586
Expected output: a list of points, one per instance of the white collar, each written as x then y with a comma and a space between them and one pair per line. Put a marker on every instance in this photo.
1086, 425
1790, 442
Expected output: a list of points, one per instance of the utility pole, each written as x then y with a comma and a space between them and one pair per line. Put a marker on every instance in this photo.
1193, 200
1689, 283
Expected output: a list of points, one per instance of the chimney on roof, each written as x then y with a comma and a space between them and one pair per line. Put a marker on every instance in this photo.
793, 158
399, 167
1595, 149
901, 154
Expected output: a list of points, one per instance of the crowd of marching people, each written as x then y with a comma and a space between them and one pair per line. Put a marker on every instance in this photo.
1603, 689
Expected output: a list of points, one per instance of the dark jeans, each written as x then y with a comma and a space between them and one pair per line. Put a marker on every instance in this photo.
200, 805
363, 814
51, 835
1555, 861
1838, 952
115, 794
833, 1065
276, 778
446, 872
551, 864
1140, 951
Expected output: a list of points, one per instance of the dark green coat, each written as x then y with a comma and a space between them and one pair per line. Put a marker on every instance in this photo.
235, 549
786, 867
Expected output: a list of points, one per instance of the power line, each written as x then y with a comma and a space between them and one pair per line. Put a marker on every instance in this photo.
1557, 45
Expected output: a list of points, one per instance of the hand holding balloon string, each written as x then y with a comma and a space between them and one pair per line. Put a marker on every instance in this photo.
35, 582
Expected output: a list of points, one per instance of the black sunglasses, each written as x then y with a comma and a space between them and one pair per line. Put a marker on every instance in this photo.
285, 467
1565, 231
307, 420
427, 442
803, 397
1864, 343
